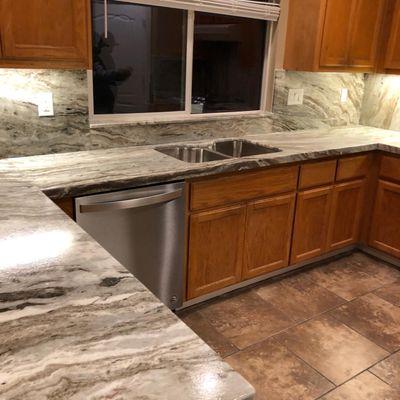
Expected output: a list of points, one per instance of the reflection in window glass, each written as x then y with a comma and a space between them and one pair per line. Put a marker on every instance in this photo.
140, 67
227, 63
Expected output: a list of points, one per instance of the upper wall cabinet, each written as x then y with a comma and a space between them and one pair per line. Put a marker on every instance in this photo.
333, 35
44, 34
392, 56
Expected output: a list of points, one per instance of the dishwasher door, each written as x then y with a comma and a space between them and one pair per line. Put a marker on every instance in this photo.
144, 230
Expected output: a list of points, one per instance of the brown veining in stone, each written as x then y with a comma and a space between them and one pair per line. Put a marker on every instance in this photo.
389, 370
332, 348
299, 297
245, 318
277, 374
374, 318
363, 387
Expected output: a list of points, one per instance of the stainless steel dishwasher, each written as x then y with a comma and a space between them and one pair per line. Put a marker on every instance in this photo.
144, 230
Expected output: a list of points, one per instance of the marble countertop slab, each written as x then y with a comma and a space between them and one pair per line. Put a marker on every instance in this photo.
74, 324
87, 172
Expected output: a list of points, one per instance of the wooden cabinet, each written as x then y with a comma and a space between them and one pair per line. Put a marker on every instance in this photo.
269, 225
311, 223
45, 34
385, 231
347, 206
392, 56
334, 35
216, 240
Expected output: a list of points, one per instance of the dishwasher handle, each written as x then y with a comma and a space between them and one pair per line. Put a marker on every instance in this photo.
131, 203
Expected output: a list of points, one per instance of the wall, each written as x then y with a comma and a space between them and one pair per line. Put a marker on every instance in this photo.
381, 105
22, 132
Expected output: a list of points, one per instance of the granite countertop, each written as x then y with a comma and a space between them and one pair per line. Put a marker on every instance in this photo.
74, 324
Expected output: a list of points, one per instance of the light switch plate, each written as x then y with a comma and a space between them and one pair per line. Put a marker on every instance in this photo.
344, 95
295, 97
45, 104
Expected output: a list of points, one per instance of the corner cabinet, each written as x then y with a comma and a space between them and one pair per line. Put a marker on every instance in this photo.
334, 35
45, 34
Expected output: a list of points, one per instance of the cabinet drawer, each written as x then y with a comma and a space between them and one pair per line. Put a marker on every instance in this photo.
390, 168
242, 187
352, 167
317, 174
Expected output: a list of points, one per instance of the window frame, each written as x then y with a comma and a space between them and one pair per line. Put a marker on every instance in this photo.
97, 120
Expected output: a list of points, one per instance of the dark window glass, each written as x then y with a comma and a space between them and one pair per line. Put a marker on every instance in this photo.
140, 67
227, 63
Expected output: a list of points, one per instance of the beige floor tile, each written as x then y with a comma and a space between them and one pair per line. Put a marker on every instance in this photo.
374, 318
277, 374
389, 370
363, 387
333, 349
245, 318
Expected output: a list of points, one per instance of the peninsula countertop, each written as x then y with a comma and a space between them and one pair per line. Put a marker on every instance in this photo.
74, 324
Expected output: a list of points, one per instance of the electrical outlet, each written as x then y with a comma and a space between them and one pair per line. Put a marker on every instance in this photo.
45, 104
295, 97
344, 95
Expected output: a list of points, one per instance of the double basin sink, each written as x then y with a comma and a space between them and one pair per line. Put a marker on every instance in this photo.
218, 150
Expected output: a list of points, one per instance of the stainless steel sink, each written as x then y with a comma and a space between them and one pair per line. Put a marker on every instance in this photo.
192, 154
242, 148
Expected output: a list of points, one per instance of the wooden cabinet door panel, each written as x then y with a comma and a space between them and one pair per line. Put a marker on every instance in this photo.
216, 240
311, 224
336, 33
385, 231
268, 235
344, 225
392, 59
366, 30
45, 30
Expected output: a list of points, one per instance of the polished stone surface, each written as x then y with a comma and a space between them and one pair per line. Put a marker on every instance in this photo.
389, 370
74, 324
23, 133
278, 374
80, 173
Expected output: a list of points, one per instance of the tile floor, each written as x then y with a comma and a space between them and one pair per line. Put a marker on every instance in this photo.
331, 332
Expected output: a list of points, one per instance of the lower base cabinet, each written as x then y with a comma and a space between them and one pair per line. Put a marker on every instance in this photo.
268, 234
216, 240
385, 231
311, 223
345, 216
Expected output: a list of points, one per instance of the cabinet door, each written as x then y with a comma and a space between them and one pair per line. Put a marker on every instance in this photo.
268, 235
366, 30
216, 240
311, 224
385, 231
347, 204
336, 33
46, 31
392, 60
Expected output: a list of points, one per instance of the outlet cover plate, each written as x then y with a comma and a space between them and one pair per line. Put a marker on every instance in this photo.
344, 95
45, 104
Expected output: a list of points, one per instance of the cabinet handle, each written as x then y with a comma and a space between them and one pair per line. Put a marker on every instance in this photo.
105, 19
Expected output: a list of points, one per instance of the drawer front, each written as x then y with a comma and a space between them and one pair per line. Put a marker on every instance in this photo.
390, 168
242, 187
352, 167
317, 174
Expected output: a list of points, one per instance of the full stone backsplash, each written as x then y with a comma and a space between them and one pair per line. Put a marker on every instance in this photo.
22, 132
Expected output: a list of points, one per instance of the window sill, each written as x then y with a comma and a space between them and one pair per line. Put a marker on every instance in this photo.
167, 118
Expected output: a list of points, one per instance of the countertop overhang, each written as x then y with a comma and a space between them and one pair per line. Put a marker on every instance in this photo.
73, 322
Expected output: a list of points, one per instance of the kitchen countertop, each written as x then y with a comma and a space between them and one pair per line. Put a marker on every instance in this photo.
74, 324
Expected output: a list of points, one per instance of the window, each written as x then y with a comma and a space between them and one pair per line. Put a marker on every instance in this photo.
158, 63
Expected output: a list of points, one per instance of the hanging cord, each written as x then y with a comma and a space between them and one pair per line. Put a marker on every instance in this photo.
105, 19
